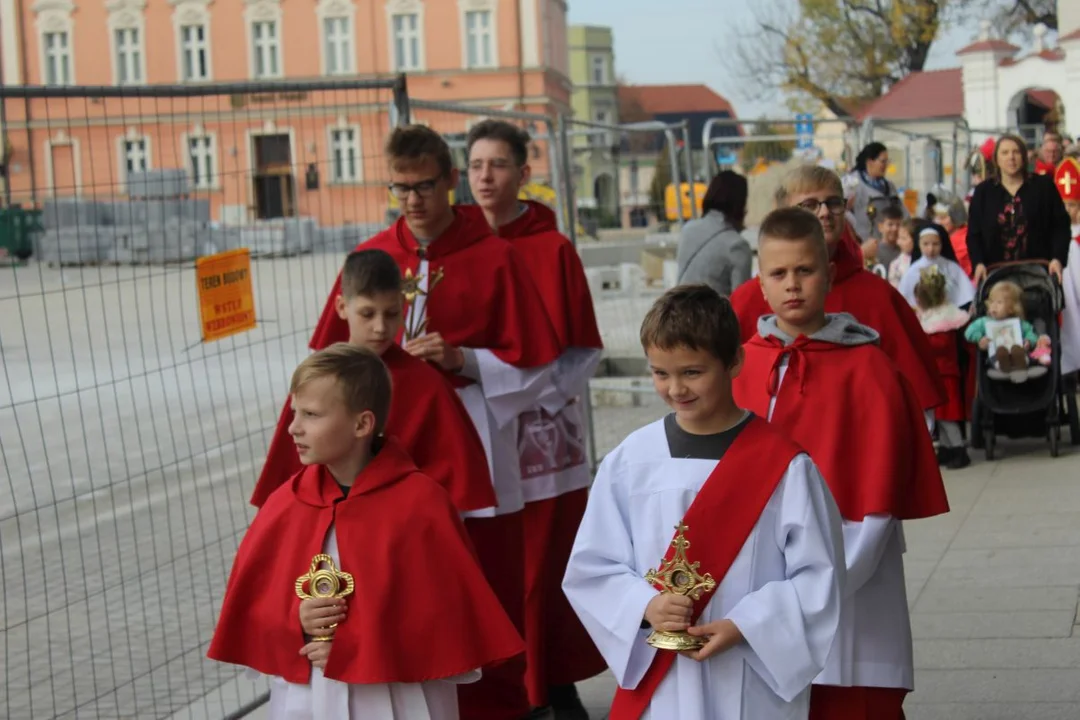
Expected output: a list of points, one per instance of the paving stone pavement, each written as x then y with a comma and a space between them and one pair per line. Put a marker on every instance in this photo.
129, 451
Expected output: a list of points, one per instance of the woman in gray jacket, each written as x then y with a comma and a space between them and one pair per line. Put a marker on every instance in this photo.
871, 191
712, 250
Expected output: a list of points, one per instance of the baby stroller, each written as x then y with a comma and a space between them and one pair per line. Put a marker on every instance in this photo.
1040, 406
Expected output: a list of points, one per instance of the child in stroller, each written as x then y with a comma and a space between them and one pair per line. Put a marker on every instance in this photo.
1009, 354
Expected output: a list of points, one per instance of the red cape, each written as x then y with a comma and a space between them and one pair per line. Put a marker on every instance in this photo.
426, 418
857, 416
485, 300
421, 609
874, 303
558, 273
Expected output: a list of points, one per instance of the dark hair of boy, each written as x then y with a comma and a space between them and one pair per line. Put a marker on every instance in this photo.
889, 212
695, 317
501, 131
361, 377
794, 224
369, 273
409, 146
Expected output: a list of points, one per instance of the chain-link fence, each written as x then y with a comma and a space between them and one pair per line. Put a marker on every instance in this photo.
130, 446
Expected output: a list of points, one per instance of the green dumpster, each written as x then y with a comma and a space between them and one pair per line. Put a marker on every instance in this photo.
18, 228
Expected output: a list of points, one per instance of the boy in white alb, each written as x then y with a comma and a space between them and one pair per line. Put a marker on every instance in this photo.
758, 518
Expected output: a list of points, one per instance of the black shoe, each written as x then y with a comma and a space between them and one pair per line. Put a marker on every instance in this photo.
945, 454
960, 460
567, 703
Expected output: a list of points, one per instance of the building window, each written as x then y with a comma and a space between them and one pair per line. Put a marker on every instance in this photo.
338, 45
407, 42
202, 160
194, 50
136, 157
57, 58
128, 56
479, 39
345, 155
599, 70
266, 48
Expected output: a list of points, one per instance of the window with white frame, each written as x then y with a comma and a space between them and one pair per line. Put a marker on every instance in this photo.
126, 42
194, 53
406, 41
136, 155
266, 49
599, 70
202, 160
57, 58
345, 154
337, 40
479, 40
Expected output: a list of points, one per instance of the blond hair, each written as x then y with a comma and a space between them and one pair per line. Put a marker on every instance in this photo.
1012, 293
362, 378
808, 179
794, 224
930, 291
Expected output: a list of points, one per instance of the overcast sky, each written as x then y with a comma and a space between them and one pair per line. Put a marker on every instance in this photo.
683, 43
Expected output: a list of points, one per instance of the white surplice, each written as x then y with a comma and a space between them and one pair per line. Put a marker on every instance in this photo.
499, 395
873, 646
326, 699
958, 286
1070, 318
782, 590
560, 441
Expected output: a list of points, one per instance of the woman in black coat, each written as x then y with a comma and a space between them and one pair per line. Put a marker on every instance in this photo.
1015, 215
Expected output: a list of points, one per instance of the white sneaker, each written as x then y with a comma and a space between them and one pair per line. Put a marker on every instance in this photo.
1036, 371
995, 374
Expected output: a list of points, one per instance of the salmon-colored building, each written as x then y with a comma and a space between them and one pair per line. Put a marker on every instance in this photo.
268, 152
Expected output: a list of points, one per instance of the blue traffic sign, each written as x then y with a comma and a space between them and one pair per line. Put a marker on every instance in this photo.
804, 128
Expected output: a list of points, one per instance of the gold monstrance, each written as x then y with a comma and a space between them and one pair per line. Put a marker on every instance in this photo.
324, 582
416, 322
680, 576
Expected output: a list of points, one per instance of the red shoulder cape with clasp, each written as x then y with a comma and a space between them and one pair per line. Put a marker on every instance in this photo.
486, 299
858, 418
421, 609
874, 303
426, 418
558, 273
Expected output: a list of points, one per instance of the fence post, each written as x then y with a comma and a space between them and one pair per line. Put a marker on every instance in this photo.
568, 180
400, 114
673, 155
557, 171
688, 166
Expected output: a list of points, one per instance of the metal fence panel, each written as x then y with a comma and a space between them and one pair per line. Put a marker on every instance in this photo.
130, 448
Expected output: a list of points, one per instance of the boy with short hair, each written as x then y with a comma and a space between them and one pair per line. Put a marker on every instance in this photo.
426, 416
555, 472
888, 226
854, 290
756, 565
819, 377
475, 313
363, 516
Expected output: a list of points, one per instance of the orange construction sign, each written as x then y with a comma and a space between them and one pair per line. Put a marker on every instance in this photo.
226, 300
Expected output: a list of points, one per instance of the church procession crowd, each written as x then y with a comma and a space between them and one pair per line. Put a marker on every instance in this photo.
430, 542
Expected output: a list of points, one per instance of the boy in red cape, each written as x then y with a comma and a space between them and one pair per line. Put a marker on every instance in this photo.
855, 290
819, 378
362, 502
553, 449
756, 533
474, 312
426, 416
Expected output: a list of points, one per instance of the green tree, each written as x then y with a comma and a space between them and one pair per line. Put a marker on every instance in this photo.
661, 179
762, 147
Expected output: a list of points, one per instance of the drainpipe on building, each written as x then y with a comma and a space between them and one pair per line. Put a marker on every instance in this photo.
26, 104
519, 17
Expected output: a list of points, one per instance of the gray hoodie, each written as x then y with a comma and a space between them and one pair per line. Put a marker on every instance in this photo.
711, 251
840, 329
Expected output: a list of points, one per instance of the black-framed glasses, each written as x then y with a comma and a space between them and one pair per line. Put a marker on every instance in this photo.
836, 205
424, 188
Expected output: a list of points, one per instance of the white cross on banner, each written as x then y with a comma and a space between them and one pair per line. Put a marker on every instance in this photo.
1067, 181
